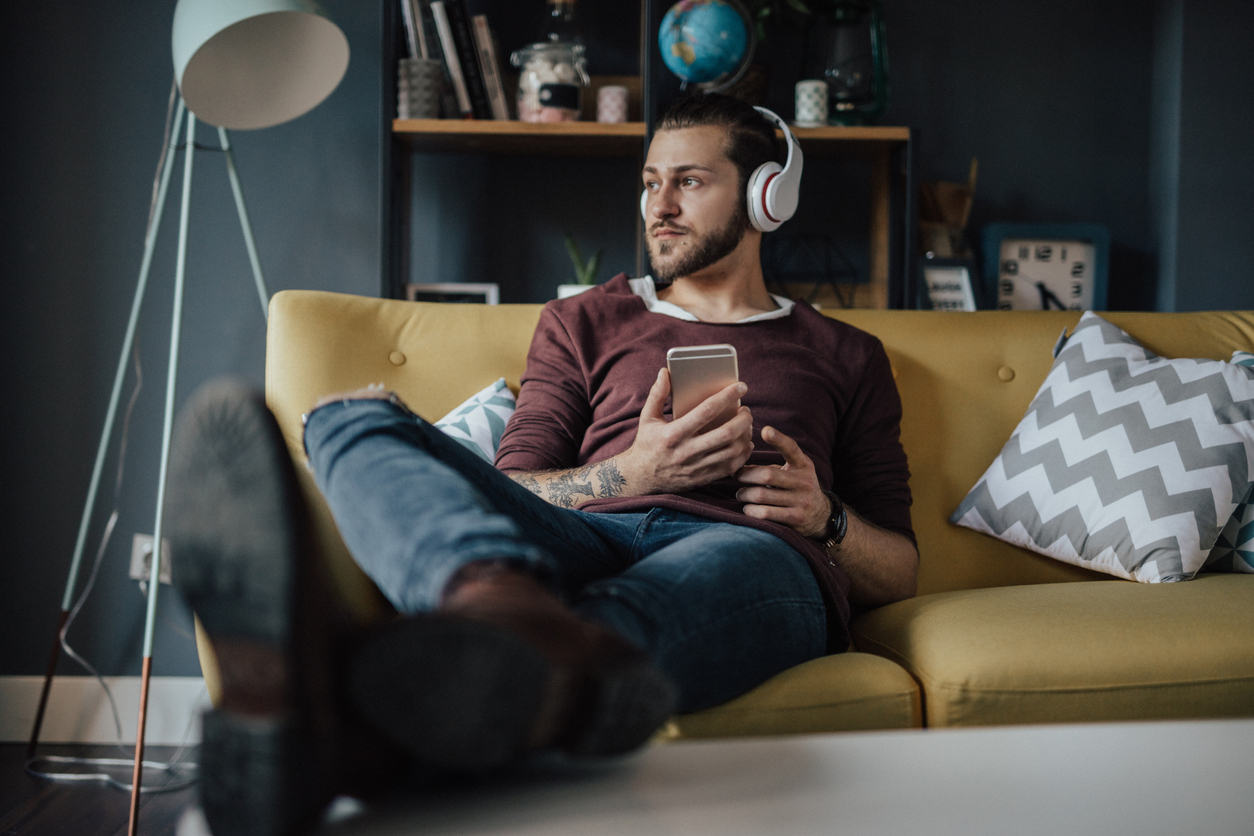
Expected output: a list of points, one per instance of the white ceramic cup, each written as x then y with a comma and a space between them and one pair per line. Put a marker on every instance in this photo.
612, 103
811, 104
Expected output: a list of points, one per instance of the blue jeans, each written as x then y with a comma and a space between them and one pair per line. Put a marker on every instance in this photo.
719, 608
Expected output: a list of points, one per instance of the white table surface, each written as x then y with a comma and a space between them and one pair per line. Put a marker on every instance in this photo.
1193, 777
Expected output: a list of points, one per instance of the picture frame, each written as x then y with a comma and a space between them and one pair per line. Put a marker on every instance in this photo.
949, 283
483, 293
1091, 287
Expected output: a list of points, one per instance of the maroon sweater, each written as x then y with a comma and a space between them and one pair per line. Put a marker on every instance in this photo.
826, 384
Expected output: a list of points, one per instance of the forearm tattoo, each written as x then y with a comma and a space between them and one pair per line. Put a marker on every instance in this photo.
568, 488
612, 480
529, 482
565, 489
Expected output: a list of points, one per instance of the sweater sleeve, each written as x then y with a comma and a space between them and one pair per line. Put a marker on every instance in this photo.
869, 466
554, 408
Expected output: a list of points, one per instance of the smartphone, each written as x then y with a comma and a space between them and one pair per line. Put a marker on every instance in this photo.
699, 371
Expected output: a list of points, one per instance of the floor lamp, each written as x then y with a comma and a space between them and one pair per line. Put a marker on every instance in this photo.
239, 64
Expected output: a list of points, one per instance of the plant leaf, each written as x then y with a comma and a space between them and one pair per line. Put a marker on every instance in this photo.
576, 257
798, 6
594, 263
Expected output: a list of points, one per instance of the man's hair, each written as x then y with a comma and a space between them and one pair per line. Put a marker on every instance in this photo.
750, 135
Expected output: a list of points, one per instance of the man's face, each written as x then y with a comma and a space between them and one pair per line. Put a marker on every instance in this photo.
695, 214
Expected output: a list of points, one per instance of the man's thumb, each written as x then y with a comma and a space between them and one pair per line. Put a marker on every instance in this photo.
654, 403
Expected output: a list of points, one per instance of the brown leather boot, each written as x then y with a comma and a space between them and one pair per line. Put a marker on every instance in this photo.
283, 741
505, 668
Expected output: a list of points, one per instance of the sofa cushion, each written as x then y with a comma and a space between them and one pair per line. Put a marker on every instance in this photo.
844, 692
1106, 650
1126, 462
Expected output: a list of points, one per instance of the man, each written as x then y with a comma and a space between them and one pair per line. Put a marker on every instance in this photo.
628, 566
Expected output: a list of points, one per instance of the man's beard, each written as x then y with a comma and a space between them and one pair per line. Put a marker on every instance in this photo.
714, 247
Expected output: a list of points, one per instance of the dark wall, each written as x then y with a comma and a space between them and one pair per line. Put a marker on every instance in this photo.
1164, 168
1052, 98
1069, 106
84, 103
1214, 265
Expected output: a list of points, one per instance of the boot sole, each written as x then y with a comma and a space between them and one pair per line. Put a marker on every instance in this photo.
465, 695
231, 512
254, 775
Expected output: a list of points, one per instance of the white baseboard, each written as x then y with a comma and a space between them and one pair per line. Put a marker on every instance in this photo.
78, 711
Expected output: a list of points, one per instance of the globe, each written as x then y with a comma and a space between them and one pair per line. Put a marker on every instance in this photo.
704, 41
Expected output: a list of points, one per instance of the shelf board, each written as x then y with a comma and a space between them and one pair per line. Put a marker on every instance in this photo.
513, 137
601, 140
832, 140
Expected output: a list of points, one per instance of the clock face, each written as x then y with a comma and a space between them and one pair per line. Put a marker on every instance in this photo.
1038, 275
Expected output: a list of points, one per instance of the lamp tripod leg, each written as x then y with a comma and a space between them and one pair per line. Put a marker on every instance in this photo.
67, 599
53, 657
154, 575
249, 244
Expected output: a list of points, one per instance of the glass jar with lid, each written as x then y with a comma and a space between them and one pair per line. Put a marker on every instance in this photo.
552, 77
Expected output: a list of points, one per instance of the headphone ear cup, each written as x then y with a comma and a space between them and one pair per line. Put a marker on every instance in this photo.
644, 205
755, 195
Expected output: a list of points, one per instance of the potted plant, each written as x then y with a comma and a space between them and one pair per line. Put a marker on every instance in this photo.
585, 272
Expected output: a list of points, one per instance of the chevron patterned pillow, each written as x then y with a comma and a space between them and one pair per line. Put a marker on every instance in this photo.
479, 422
1126, 462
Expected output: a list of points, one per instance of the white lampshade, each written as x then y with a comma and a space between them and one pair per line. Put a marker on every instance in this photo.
255, 63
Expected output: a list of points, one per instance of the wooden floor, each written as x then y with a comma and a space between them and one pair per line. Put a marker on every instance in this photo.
34, 806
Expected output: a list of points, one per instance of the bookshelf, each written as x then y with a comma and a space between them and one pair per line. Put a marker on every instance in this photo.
491, 137
888, 148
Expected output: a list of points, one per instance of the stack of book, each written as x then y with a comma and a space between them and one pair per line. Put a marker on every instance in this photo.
444, 31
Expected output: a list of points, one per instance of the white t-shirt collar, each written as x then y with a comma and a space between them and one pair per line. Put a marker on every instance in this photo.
647, 291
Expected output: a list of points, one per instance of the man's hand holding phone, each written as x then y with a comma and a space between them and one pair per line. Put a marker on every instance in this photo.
675, 456
788, 494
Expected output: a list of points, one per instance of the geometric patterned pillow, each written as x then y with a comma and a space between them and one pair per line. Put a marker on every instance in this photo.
479, 422
1234, 550
1126, 462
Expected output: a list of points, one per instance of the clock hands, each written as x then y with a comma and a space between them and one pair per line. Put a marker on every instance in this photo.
1048, 296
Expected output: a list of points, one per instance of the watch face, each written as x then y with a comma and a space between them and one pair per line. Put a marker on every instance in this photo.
1045, 275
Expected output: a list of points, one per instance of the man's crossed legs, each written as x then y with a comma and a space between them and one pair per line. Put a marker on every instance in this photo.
524, 626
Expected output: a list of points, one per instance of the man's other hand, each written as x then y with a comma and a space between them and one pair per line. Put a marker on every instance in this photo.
789, 493
675, 456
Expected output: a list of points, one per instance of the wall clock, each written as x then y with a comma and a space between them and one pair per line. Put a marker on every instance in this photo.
1047, 266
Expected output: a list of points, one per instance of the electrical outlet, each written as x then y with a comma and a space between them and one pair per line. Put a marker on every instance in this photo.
141, 558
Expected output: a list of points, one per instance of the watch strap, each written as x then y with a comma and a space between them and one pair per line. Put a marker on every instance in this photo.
837, 523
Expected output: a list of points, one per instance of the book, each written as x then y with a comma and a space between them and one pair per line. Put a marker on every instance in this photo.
491, 68
448, 101
411, 29
468, 55
453, 66
420, 34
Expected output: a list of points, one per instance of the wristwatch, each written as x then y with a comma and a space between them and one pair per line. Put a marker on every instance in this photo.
837, 523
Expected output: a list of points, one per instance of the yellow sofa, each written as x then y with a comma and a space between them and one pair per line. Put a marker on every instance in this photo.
996, 634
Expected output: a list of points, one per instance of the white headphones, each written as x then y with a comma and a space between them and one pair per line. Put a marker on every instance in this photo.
772, 191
